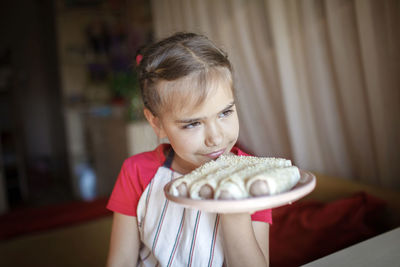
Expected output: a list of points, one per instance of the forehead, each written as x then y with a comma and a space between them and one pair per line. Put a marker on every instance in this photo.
218, 99
189, 93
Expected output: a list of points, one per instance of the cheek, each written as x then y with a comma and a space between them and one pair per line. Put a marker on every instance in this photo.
232, 127
186, 141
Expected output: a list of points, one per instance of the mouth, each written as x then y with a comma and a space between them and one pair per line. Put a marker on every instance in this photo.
215, 154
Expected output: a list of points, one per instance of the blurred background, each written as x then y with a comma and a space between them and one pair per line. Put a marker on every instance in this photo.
317, 82
68, 94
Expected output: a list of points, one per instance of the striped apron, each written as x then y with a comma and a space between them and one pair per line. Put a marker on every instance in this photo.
172, 235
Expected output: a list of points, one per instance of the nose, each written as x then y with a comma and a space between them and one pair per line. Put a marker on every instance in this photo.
214, 135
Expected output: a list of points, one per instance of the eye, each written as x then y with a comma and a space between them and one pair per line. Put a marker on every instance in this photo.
226, 113
191, 125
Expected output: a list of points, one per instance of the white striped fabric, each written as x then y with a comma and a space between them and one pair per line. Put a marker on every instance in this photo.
172, 235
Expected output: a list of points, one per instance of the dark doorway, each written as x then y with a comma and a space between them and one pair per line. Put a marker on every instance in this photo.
33, 143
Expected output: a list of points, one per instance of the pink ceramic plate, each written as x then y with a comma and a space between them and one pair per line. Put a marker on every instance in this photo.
305, 185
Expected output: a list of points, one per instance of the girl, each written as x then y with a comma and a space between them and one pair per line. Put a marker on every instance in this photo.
187, 90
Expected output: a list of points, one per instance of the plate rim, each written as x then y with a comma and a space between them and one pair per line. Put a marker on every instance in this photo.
306, 185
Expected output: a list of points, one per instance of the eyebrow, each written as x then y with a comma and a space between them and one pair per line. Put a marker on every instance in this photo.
229, 106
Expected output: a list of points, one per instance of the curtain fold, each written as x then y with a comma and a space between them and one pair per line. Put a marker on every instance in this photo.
317, 81
351, 88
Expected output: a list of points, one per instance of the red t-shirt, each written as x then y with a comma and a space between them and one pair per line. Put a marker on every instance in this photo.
137, 172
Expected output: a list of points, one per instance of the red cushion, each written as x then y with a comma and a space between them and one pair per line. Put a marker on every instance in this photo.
308, 230
30, 220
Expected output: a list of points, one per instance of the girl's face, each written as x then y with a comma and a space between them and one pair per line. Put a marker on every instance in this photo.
204, 133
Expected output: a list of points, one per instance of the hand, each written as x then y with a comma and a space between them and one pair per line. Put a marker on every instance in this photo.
245, 243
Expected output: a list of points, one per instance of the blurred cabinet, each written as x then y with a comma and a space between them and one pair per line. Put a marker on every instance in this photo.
107, 147
141, 137
96, 42
97, 142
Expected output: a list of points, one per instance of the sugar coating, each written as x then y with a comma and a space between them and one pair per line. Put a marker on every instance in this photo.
226, 166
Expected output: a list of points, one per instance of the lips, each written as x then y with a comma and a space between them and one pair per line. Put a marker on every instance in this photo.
215, 154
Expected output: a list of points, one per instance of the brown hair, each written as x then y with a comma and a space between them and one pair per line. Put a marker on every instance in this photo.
185, 64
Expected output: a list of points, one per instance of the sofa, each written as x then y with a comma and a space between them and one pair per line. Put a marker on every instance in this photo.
337, 214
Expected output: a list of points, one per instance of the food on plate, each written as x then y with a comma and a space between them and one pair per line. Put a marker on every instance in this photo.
237, 177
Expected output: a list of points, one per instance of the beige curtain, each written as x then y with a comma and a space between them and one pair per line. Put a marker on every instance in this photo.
317, 81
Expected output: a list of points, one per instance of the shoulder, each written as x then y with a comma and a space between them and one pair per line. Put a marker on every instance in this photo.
146, 161
139, 169
136, 173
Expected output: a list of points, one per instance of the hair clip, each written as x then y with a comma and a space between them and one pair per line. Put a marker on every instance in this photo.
139, 58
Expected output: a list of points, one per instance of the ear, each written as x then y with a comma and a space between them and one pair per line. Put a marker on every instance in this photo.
155, 123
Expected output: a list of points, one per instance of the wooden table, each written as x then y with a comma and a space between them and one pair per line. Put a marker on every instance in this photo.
381, 250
